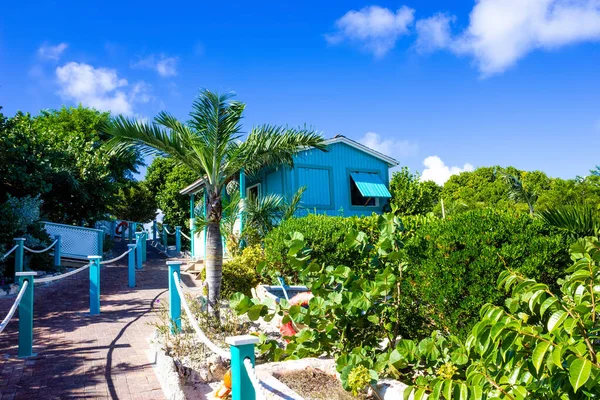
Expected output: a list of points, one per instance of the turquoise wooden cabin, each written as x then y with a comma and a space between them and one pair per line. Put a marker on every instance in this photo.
349, 179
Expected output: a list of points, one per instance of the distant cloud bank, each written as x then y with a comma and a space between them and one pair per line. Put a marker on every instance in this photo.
49, 52
100, 88
436, 170
499, 32
164, 65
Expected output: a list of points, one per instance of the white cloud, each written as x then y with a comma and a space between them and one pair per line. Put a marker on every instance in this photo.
390, 147
48, 52
501, 32
375, 28
100, 88
164, 65
437, 171
433, 33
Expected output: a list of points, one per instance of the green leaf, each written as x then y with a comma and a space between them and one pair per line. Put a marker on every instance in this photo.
557, 319
546, 304
254, 312
579, 372
539, 353
447, 390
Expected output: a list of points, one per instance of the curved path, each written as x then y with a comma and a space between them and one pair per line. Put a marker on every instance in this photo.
84, 356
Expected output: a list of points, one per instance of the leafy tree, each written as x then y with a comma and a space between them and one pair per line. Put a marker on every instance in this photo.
209, 144
164, 179
410, 196
134, 202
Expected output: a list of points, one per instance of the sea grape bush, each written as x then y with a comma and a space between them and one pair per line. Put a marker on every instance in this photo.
541, 344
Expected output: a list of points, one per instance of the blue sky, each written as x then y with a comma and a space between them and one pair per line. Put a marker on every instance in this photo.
455, 84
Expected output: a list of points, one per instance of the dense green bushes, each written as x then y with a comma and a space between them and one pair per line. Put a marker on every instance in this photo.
324, 235
454, 263
239, 273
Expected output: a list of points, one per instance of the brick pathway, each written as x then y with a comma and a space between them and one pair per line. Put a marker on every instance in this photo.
83, 356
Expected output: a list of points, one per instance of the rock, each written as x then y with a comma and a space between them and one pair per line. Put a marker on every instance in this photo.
14, 289
389, 389
3, 292
40, 274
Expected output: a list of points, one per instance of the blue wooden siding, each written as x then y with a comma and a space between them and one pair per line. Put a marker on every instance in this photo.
327, 178
341, 160
318, 182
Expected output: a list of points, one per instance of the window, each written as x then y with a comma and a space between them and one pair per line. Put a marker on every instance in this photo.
253, 192
357, 199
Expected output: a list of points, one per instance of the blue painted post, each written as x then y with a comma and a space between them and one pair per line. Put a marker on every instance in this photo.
177, 239
192, 224
26, 315
129, 233
57, 250
19, 252
241, 347
174, 300
138, 250
133, 227
165, 237
94, 284
243, 200
144, 246
154, 237
113, 226
100, 243
131, 265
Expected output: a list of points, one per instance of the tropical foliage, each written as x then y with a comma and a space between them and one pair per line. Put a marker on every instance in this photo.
411, 196
134, 202
209, 145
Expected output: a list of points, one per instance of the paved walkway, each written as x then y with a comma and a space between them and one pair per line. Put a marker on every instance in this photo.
83, 356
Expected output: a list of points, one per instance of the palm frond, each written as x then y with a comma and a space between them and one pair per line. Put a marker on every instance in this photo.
292, 206
277, 145
575, 220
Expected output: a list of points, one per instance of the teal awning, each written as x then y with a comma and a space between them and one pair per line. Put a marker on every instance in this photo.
370, 185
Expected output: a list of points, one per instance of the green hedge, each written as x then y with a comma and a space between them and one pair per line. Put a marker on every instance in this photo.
323, 234
454, 263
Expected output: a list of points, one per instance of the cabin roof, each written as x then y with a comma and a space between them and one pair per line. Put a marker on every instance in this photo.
391, 162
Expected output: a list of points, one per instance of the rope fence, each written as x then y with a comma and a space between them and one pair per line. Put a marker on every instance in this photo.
117, 258
254, 379
12, 310
43, 250
185, 236
62, 276
207, 342
168, 233
9, 252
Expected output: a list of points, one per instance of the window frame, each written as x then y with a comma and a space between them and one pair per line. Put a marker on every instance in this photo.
350, 181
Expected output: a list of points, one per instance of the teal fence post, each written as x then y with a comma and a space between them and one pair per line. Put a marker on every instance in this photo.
192, 223
131, 265
57, 250
174, 300
113, 226
177, 239
154, 237
94, 284
26, 315
130, 232
100, 243
19, 252
144, 246
165, 237
133, 231
241, 347
138, 250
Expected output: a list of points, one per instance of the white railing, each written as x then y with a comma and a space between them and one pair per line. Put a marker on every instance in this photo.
12, 310
77, 241
207, 342
9, 252
42, 250
62, 276
258, 390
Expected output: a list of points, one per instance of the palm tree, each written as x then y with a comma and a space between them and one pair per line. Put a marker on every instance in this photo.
576, 221
519, 193
210, 144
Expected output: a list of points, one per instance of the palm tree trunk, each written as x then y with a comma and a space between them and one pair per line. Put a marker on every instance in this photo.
214, 264
214, 250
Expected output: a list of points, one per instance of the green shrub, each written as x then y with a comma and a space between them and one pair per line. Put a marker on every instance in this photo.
239, 273
324, 236
454, 263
